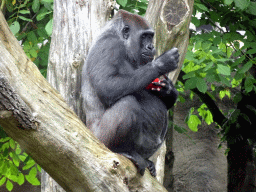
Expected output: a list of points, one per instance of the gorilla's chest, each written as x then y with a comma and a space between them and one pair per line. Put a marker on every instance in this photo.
151, 104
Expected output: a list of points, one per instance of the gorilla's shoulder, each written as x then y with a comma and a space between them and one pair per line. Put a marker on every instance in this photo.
109, 43
111, 40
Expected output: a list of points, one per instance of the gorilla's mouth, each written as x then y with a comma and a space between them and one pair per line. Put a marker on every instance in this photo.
147, 57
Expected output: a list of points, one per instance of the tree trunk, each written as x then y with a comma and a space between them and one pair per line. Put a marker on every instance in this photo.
170, 19
198, 165
75, 25
35, 115
241, 169
241, 158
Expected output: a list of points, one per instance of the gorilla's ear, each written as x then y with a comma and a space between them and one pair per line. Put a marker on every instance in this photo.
126, 31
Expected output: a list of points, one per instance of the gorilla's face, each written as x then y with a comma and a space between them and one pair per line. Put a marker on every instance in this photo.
138, 39
147, 50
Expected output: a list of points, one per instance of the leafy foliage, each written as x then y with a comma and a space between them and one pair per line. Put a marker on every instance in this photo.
223, 55
31, 22
134, 6
12, 160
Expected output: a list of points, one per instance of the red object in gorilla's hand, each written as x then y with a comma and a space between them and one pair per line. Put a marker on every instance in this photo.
151, 85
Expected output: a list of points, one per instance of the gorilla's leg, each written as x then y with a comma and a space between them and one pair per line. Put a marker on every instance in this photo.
151, 168
119, 129
141, 163
118, 122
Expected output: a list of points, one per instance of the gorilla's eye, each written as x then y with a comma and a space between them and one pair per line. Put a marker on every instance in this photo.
126, 31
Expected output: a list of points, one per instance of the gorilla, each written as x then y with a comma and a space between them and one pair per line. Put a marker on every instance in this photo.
124, 110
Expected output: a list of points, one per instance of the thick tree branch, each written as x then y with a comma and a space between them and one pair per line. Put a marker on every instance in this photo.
61, 143
12, 103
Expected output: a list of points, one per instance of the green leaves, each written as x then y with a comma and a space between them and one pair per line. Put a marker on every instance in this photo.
201, 85
2, 181
122, 2
246, 67
228, 2
223, 93
24, 11
35, 5
195, 21
31, 22
42, 14
191, 83
48, 27
138, 7
10, 157
221, 59
31, 177
180, 129
242, 4
9, 185
193, 123
205, 114
196, 82
192, 120
252, 8
20, 179
15, 27
201, 7
251, 51
249, 84
222, 69
25, 19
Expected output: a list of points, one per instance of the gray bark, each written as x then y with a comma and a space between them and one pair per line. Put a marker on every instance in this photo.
198, 164
76, 23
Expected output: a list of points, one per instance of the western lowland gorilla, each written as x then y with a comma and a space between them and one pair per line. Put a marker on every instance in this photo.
123, 109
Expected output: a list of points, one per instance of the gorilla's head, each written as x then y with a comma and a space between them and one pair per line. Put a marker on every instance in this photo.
137, 35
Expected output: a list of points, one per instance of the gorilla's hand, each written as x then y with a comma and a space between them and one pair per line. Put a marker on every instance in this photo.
163, 87
165, 90
167, 62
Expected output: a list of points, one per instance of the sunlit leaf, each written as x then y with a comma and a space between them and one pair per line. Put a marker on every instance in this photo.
228, 2
25, 19
2, 181
201, 85
21, 179
252, 8
48, 27
242, 4
122, 2
193, 123
246, 67
224, 70
9, 185
24, 11
15, 27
